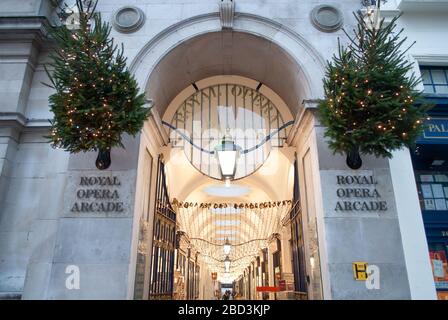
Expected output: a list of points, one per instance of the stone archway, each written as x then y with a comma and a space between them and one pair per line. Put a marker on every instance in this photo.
298, 66
197, 48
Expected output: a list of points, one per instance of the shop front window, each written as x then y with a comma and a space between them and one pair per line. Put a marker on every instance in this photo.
438, 253
431, 171
430, 161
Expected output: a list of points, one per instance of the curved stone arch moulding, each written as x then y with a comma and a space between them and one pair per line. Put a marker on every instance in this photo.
303, 53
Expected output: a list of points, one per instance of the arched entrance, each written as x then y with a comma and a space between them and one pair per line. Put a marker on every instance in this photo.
198, 48
263, 58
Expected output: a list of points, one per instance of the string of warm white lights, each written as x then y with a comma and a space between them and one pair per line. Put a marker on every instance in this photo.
243, 228
216, 251
235, 270
246, 205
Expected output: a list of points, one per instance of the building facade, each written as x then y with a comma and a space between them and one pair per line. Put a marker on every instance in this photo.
156, 223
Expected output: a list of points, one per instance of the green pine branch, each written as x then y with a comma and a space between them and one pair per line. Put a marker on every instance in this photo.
370, 96
96, 98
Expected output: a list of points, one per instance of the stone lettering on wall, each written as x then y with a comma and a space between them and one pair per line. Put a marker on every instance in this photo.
97, 194
358, 193
92, 195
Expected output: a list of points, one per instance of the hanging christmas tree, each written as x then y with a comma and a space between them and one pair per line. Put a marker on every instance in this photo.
370, 97
96, 99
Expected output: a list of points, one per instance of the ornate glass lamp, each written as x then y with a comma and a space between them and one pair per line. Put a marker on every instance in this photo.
227, 247
227, 263
227, 153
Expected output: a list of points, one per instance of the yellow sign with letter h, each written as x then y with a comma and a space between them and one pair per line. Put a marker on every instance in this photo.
360, 271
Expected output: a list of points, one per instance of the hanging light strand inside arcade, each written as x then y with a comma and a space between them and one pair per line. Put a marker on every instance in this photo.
244, 228
245, 205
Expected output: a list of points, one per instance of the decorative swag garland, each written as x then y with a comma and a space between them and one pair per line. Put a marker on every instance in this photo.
259, 205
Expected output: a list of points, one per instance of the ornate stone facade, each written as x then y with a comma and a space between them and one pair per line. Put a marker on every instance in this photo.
169, 46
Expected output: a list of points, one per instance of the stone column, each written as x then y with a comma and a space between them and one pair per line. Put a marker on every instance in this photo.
254, 280
287, 267
286, 249
259, 281
418, 264
271, 271
12, 261
95, 229
356, 217
20, 40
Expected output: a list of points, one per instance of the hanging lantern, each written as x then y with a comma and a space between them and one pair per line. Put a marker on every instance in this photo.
227, 247
227, 263
227, 153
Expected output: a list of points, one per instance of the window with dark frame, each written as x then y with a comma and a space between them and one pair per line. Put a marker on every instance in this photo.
435, 79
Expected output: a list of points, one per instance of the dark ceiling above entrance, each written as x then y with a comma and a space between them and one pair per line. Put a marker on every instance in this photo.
226, 53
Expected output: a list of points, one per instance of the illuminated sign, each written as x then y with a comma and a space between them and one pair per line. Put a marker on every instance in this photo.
436, 129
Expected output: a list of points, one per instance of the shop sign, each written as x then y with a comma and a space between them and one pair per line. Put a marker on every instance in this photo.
438, 268
289, 279
442, 295
436, 129
268, 289
442, 285
277, 270
282, 285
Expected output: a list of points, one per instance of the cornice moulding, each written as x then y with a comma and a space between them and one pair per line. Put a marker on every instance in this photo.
19, 121
18, 29
309, 108
431, 59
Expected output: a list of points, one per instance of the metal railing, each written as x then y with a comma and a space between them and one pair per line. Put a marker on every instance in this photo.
292, 213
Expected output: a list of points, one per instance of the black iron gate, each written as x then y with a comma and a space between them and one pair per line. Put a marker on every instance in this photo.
298, 254
164, 242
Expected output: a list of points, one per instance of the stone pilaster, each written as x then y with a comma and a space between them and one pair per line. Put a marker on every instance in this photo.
356, 218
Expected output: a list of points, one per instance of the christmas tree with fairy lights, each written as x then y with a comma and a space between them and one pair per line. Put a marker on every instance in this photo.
96, 99
370, 96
